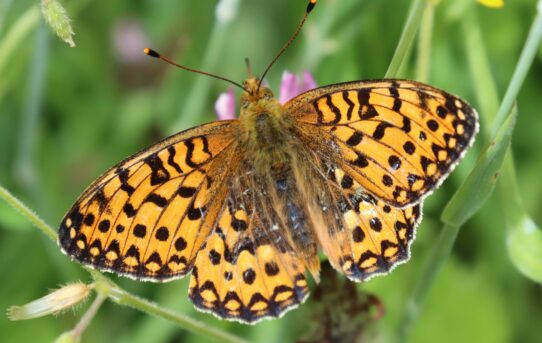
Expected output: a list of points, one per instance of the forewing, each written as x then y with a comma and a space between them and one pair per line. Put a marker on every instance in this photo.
148, 216
398, 139
248, 269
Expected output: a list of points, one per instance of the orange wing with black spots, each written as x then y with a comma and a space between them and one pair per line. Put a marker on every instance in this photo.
399, 139
375, 236
247, 204
148, 216
360, 235
248, 269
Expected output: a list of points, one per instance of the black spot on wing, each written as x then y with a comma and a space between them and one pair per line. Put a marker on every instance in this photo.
156, 199
159, 174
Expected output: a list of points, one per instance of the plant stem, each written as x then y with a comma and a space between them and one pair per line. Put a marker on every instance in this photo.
442, 249
24, 165
16, 34
485, 88
525, 61
407, 37
108, 289
28, 213
423, 62
434, 262
84, 322
487, 98
120, 296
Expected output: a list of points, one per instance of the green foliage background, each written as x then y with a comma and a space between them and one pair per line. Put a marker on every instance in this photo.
66, 115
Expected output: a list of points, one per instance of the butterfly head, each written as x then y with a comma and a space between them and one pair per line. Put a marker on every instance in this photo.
261, 113
254, 94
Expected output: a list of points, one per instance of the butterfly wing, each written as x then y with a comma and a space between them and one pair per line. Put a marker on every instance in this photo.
148, 216
361, 235
399, 139
248, 268
374, 236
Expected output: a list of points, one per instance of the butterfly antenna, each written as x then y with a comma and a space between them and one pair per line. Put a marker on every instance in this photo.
310, 7
249, 67
155, 54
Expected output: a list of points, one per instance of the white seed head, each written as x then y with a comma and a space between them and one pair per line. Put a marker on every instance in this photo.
53, 303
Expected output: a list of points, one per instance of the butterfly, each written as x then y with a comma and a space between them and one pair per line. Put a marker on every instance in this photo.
246, 205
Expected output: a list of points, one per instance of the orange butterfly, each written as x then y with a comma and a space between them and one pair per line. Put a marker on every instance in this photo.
246, 204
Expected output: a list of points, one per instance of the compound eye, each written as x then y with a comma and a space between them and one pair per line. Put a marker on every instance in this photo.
268, 94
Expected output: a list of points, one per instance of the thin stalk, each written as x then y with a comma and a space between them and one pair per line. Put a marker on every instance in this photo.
528, 54
433, 264
106, 288
487, 96
84, 322
407, 37
523, 236
423, 62
488, 100
24, 164
441, 251
121, 297
28, 214
14, 37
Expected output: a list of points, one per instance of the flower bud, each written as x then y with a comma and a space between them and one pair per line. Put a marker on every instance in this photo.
292, 85
52, 303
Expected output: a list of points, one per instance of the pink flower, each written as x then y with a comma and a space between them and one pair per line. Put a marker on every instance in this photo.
128, 40
290, 87
225, 105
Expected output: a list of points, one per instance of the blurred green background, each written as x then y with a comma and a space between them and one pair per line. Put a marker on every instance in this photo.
67, 114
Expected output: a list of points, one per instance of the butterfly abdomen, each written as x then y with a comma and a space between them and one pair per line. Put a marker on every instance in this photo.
296, 218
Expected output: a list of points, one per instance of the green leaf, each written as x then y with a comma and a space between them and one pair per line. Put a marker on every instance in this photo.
524, 243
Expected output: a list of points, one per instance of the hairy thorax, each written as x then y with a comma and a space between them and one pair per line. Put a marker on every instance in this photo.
266, 132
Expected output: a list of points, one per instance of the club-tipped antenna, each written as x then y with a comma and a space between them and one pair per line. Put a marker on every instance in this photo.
155, 54
310, 7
